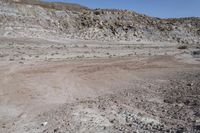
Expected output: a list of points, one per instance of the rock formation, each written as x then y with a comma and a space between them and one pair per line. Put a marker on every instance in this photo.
34, 18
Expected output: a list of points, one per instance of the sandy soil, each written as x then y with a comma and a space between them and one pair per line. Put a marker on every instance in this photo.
49, 86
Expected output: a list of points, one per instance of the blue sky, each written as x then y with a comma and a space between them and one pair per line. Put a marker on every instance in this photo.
156, 8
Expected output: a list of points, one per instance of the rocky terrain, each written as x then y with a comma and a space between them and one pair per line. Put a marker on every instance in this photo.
40, 19
67, 68
149, 94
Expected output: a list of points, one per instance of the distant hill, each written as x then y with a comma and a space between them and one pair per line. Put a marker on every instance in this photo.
55, 5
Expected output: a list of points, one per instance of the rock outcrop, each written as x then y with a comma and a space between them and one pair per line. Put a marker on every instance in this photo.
41, 19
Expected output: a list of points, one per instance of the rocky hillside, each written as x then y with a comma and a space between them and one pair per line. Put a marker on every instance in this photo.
41, 19
55, 5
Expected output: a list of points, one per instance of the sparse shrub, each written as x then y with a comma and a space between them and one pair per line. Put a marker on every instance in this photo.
130, 54
86, 52
10, 44
97, 12
100, 27
76, 46
128, 47
178, 40
198, 32
182, 47
22, 58
85, 46
196, 52
11, 59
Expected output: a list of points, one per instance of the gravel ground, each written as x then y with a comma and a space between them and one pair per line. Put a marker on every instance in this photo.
146, 94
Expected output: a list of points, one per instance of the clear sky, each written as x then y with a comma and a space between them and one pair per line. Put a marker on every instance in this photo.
156, 8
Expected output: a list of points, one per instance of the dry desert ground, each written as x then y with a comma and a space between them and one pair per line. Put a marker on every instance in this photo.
90, 86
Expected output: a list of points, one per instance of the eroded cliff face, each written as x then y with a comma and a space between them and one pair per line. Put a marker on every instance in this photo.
40, 19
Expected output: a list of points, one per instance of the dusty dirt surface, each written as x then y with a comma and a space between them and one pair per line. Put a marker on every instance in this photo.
154, 93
